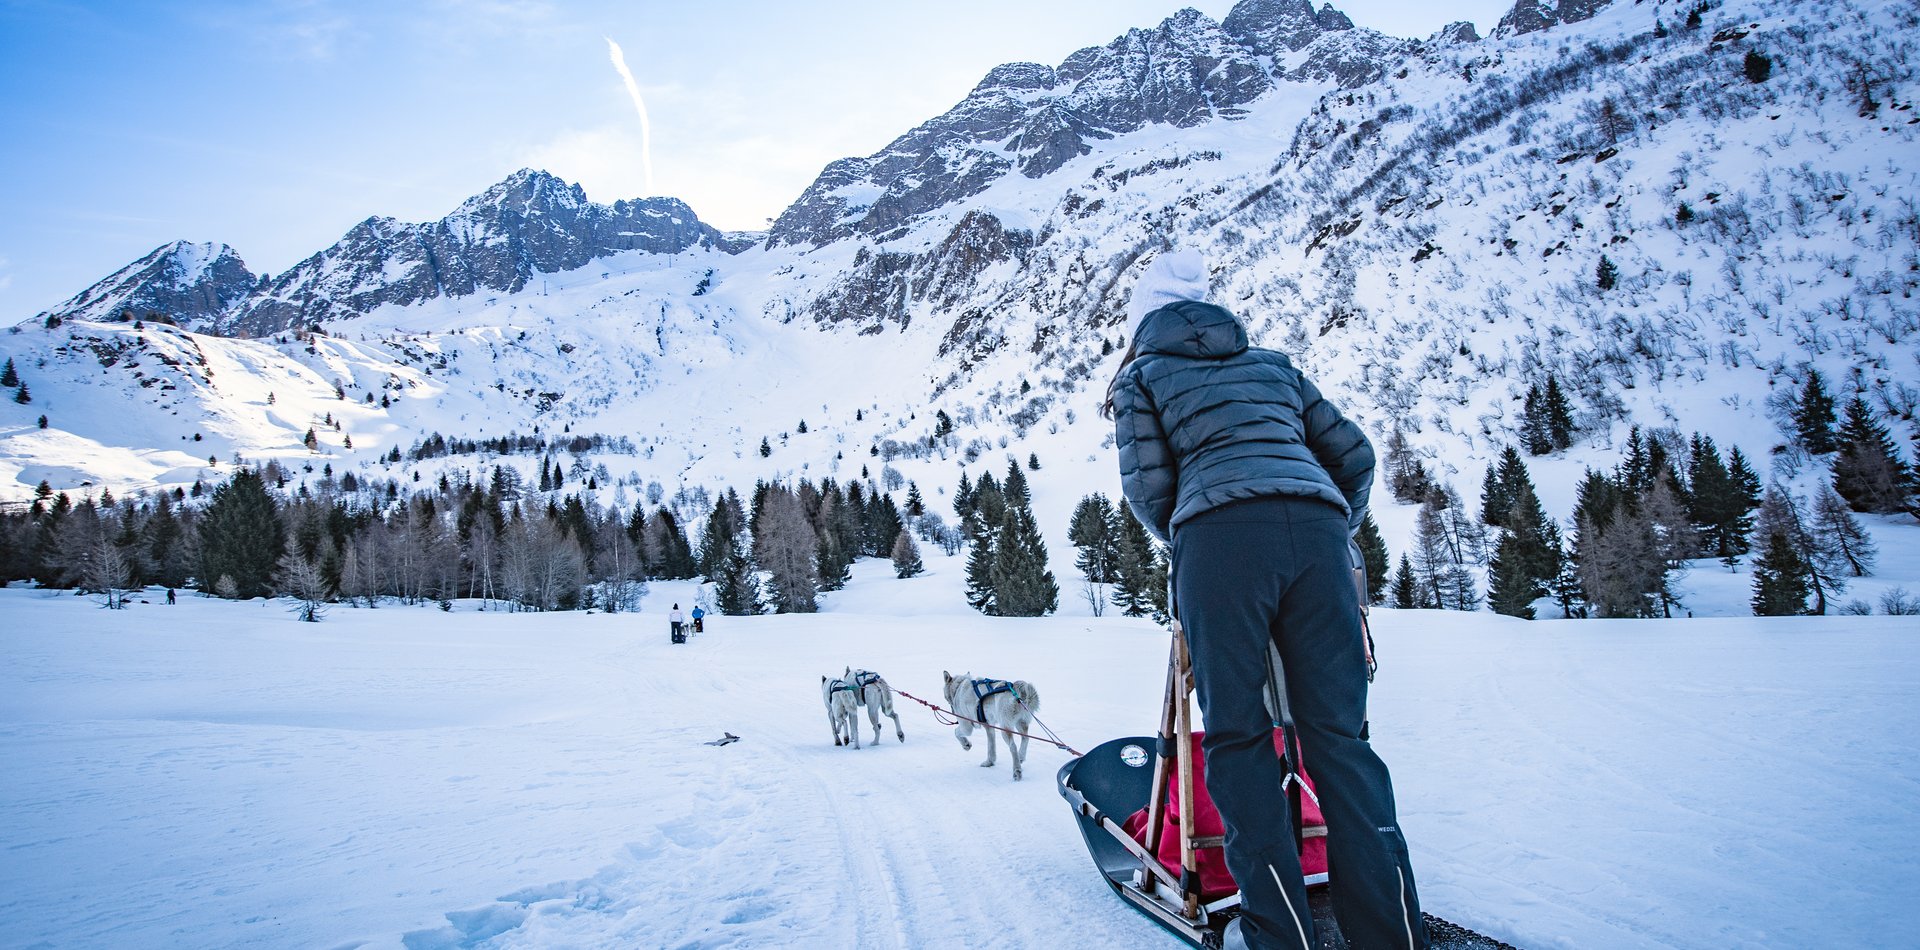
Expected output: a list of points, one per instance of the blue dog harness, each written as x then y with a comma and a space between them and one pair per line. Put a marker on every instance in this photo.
985, 688
861, 680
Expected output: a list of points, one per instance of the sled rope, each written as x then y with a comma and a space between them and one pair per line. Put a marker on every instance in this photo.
948, 717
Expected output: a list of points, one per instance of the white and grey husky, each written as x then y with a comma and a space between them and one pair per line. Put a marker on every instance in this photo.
1001, 704
839, 697
871, 690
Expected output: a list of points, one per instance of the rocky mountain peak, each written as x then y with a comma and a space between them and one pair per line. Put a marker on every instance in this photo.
1529, 16
1272, 26
528, 191
181, 281
1015, 78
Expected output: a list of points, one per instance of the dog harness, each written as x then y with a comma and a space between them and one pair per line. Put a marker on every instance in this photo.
842, 685
985, 688
861, 680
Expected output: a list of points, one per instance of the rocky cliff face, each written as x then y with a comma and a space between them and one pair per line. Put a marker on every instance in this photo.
1529, 16
530, 224
191, 284
1033, 119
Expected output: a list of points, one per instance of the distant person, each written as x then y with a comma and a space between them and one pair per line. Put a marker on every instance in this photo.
699, 614
1230, 454
169, 596
679, 621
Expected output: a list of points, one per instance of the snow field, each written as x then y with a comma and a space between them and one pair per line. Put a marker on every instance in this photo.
216, 774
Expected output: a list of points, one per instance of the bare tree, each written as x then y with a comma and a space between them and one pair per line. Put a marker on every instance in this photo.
300, 578
106, 572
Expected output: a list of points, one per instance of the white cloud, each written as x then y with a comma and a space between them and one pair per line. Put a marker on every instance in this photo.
734, 185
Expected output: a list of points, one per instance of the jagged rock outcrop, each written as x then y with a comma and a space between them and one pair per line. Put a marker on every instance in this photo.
189, 284
1033, 119
1454, 34
881, 286
1529, 16
501, 239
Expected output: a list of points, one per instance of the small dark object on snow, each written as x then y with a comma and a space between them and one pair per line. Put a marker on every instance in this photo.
726, 738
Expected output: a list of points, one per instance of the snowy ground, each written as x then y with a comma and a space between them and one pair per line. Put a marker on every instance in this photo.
213, 774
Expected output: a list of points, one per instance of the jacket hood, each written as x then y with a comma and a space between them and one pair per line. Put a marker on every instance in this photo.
1191, 328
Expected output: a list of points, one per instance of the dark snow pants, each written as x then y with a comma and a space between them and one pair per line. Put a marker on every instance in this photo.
1276, 570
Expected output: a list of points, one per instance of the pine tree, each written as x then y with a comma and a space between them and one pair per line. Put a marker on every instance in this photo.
1014, 488
980, 562
1713, 503
1779, 578
906, 557
916, 505
1606, 276
1135, 555
1407, 593
241, 537
1867, 470
1813, 416
22, 396
1559, 414
1780, 516
963, 497
1023, 587
1503, 483
1758, 67
1526, 559
8, 376
766, 448
1373, 554
737, 589
1534, 433
716, 542
1093, 532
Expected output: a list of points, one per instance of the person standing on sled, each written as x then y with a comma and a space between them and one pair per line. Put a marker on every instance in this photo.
678, 622
1232, 456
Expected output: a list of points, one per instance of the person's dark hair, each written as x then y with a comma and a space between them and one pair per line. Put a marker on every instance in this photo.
1126, 360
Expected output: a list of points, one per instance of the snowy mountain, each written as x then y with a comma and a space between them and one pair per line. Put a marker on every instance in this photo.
499, 240
1420, 223
192, 284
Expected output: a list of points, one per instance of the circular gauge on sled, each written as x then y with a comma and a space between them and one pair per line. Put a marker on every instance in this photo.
1133, 755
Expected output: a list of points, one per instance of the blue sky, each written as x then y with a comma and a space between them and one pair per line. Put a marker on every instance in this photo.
275, 125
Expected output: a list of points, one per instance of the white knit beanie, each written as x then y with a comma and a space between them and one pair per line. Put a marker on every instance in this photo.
1173, 276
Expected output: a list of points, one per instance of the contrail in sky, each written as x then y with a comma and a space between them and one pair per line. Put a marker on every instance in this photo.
639, 105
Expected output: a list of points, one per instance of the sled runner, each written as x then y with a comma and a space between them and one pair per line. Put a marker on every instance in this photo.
1156, 838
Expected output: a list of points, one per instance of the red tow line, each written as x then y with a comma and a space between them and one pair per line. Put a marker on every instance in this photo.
948, 717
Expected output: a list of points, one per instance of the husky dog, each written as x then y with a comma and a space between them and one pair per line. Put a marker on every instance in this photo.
839, 696
998, 703
871, 690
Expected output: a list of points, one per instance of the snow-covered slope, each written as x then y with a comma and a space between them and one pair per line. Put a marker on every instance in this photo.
218, 774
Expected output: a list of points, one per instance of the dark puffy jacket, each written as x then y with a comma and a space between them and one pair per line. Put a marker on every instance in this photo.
1202, 420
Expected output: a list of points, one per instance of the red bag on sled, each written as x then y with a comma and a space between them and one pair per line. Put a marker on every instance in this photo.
1215, 880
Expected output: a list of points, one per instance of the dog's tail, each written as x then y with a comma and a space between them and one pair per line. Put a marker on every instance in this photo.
1029, 696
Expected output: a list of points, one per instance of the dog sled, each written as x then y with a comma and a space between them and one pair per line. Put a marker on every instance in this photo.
1151, 829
